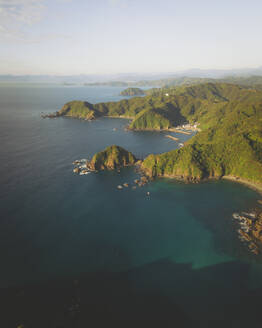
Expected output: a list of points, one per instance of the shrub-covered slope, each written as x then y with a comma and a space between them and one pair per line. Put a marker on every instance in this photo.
163, 108
230, 143
132, 92
79, 109
110, 158
204, 103
230, 118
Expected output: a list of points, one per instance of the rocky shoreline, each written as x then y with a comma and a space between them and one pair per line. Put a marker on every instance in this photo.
256, 186
249, 223
81, 167
250, 229
84, 167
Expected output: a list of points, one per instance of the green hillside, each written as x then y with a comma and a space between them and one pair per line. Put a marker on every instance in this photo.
79, 109
132, 92
230, 143
110, 158
169, 107
230, 118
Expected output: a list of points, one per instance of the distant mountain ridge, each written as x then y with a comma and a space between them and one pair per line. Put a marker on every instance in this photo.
129, 78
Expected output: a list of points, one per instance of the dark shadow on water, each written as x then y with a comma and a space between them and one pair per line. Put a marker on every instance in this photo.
159, 294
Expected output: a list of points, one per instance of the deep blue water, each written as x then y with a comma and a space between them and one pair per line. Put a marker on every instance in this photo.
180, 241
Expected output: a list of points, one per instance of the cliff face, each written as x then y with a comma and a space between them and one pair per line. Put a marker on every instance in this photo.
111, 158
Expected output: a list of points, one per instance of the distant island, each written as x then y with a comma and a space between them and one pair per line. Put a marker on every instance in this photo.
229, 144
132, 92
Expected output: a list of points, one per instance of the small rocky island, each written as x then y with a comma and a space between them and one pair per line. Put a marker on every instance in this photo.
113, 157
132, 92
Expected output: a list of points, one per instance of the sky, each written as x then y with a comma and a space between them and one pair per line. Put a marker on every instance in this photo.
71, 37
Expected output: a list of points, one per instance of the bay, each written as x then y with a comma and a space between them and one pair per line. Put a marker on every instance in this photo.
180, 241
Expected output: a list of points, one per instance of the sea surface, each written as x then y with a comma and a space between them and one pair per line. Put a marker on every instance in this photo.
179, 242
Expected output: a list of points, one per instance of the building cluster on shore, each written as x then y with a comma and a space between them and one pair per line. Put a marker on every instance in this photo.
250, 230
187, 128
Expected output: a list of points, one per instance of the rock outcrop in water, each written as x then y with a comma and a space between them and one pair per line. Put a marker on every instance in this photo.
250, 231
111, 158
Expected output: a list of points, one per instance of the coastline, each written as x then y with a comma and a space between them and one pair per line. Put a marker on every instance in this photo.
188, 131
252, 185
120, 116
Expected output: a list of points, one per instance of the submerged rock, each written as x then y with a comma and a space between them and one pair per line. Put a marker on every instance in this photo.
76, 170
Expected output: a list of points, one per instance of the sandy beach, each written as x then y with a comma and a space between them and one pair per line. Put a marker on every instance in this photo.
252, 185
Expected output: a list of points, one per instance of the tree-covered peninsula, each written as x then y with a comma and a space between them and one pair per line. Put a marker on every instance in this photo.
132, 92
169, 107
230, 143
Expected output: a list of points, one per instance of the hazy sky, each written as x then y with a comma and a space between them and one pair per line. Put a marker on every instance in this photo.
114, 36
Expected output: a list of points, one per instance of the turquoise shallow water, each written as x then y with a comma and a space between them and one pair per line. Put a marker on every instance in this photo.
180, 241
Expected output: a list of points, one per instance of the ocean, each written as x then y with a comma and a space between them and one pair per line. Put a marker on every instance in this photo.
179, 242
